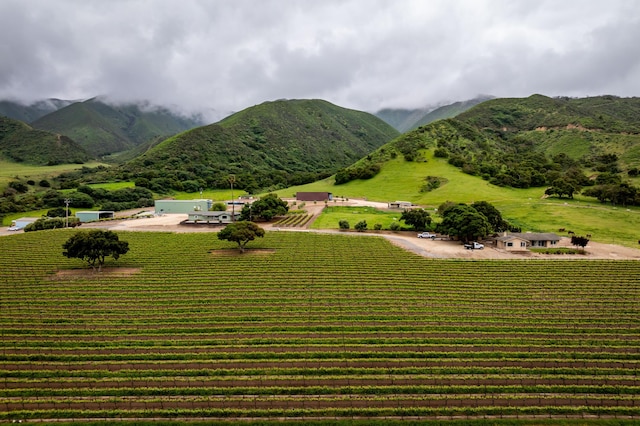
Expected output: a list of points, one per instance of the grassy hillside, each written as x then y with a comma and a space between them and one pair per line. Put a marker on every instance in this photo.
273, 144
103, 128
23, 144
528, 208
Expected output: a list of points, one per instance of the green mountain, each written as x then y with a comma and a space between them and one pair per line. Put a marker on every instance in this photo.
528, 142
274, 144
21, 143
104, 129
405, 120
30, 113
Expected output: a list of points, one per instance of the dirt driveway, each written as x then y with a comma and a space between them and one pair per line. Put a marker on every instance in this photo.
444, 249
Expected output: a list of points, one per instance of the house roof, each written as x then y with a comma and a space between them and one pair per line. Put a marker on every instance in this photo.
510, 238
531, 236
213, 213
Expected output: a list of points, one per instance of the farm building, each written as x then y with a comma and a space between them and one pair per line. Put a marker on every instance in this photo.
400, 205
94, 215
314, 196
212, 217
182, 206
523, 241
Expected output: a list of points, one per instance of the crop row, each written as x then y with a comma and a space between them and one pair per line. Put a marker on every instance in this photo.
316, 325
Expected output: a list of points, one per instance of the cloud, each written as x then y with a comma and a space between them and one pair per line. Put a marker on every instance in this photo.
220, 56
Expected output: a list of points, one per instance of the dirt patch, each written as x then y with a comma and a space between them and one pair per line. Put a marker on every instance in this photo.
67, 274
236, 252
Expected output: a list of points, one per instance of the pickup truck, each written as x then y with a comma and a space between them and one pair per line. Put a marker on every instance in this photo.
474, 246
427, 235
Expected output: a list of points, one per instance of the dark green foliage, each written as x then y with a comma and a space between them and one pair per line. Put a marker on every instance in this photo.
54, 223
615, 193
562, 187
21, 143
418, 219
493, 215
433, 182
57, 212
94, 246
464, 222
18, 186
218, 206
266, 208
44, 183
241, 233
579, 241
361, 226
344, 224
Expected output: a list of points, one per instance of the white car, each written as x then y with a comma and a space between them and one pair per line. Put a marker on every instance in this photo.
427, 235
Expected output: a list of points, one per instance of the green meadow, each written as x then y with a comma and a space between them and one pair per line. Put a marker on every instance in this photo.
10, 170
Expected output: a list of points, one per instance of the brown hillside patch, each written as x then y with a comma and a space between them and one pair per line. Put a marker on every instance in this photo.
112, 271
236, 252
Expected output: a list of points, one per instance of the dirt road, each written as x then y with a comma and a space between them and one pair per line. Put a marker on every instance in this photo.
443, 249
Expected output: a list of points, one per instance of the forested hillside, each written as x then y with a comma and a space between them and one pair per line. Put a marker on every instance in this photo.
271, 145
102, 128
561, 143
21, 143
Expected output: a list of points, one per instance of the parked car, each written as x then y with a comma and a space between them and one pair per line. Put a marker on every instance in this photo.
474, 246
427, 235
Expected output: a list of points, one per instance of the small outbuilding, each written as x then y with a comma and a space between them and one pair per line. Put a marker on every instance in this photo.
314, 196
213, 218
400, 205
94, 215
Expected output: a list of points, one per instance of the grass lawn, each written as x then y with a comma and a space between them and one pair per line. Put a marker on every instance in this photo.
10, 170
333, 214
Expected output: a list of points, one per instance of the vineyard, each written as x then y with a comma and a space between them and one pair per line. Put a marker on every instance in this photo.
308, 326
298, 220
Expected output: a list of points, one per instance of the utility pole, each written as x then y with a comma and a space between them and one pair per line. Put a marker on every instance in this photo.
66, 212
232, 179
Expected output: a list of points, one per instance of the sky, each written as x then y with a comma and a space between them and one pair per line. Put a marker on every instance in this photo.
221, 56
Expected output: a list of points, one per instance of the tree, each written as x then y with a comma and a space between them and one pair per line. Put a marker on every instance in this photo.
419, 219
94, 246
361, 226
218, 207
498, 224
266, 208
464, 222
579, 241
241, 232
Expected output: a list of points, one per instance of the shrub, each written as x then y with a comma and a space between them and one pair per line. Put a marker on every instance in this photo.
343, 224
361, 226
377, 226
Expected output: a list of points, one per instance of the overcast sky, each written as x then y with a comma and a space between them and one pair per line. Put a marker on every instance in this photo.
228, 55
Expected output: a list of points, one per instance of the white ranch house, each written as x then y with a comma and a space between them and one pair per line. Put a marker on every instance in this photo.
526, 240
